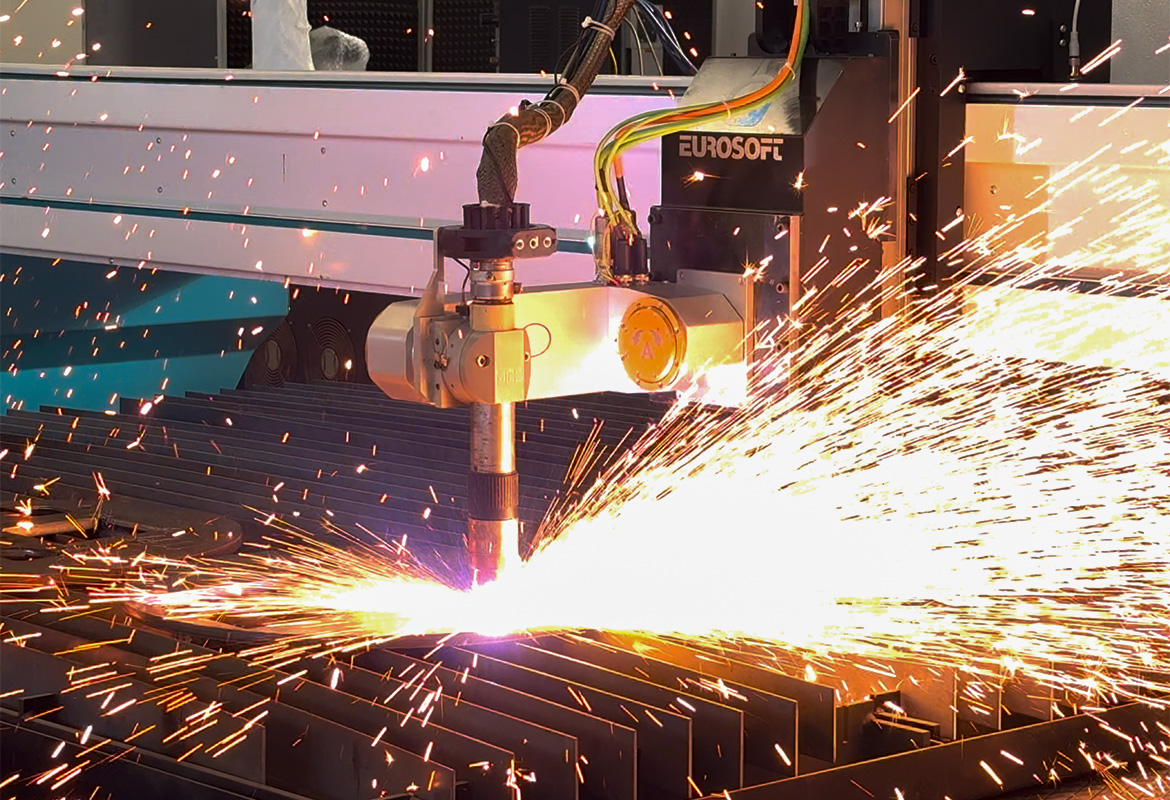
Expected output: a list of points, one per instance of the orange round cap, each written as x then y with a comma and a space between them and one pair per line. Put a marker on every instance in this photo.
652, 343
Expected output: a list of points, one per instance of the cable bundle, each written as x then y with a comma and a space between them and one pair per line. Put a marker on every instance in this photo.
497, 175
670, 43
612, 203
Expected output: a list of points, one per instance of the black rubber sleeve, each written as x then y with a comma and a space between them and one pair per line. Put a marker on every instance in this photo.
493, 496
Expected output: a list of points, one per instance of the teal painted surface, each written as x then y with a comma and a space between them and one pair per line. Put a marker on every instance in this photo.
102, 388
85, 335
207, 297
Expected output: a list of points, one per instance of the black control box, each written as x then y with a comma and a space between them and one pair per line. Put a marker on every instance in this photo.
733, 171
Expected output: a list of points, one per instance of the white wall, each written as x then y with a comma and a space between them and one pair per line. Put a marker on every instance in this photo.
36, 25
1143, 26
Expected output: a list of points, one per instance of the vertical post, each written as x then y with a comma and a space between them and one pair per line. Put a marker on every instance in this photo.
426, 24
792, 341
221, 61
903, 17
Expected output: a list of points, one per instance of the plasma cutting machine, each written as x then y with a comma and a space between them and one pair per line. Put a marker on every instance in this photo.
756, 193
750, 206
724, 254
496, 345
337, 190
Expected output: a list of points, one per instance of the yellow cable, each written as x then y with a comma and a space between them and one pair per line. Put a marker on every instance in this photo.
655, 124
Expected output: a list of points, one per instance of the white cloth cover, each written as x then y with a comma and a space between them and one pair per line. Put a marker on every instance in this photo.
337, 50
280, 35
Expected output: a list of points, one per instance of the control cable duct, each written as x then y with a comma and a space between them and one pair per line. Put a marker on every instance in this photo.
497, 176
656, 124
619, 252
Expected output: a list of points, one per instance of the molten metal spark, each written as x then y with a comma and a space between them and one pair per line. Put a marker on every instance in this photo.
982, 484
914, 490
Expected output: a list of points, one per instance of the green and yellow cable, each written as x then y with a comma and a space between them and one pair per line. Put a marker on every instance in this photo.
651, 125
654, 124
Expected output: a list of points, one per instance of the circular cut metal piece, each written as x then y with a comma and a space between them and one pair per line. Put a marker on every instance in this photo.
652, 343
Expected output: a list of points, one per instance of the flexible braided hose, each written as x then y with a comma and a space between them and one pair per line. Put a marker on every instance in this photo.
497, 176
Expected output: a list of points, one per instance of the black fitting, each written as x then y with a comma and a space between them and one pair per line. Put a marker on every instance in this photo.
480, 217
494, 232
492, 496
629, 256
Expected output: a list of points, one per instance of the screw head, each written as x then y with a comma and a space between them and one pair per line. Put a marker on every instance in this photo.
483, 361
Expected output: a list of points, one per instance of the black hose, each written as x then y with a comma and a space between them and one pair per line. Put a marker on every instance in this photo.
497, 176
666, 37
